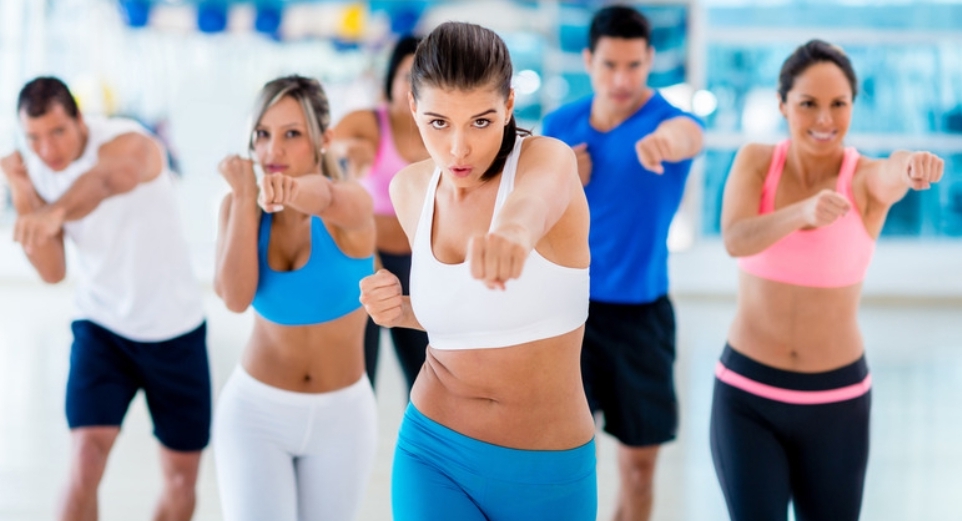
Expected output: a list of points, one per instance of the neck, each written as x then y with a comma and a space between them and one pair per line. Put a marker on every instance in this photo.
604, 116
811, 169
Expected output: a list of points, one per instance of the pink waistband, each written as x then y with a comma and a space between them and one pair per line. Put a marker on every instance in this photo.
789, 395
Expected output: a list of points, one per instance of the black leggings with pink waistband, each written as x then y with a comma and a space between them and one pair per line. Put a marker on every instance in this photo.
780, 437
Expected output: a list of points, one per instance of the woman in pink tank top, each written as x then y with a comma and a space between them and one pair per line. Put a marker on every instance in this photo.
790, 413
376, 145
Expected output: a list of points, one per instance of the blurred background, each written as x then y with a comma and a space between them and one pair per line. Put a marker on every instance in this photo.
189, 69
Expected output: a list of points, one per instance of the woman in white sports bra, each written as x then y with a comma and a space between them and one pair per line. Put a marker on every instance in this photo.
499, 426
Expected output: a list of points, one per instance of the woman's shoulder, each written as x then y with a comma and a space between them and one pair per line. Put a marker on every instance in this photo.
754, 158
359, 123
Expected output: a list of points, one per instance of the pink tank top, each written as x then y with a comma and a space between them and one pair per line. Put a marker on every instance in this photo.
387, 163
828, 257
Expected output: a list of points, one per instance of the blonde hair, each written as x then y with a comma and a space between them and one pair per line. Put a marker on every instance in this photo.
309, 93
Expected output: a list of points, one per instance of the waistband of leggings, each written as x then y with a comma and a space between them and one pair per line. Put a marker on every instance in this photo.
441, 445
845, 383
249, 385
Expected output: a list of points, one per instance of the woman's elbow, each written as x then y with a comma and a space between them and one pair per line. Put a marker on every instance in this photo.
734, 246
235, 301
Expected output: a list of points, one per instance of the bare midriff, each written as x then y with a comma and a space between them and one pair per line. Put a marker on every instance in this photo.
315, 358
796, 328
528, 396
390, 235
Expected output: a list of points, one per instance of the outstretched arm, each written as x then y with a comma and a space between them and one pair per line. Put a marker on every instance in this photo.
674, 140
888, 180
547, 176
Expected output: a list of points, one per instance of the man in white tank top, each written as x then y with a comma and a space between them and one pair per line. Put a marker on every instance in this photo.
104, 184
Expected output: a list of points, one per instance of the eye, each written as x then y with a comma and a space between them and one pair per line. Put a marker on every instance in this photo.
482, 123
292, 133
438, 124
807, 103
839, 103
260, 134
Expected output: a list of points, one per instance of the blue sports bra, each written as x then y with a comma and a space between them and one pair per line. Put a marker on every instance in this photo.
326, 288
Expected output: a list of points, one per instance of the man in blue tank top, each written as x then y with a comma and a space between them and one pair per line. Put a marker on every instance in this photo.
634, 153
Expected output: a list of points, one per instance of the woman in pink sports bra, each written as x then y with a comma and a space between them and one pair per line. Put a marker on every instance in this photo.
790, 414
377, 144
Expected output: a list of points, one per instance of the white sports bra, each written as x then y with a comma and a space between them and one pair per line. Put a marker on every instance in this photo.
460, 312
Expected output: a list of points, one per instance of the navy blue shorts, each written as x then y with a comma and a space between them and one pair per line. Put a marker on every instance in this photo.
627, 364
107, 370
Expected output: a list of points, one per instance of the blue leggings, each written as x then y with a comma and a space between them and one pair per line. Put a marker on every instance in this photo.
442, 475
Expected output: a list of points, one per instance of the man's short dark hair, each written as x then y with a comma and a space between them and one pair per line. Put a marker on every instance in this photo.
40, 95
618, 21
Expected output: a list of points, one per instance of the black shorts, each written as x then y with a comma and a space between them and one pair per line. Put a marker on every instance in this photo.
107, 370
627, 364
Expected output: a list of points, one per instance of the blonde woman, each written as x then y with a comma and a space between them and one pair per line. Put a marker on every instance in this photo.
295, 426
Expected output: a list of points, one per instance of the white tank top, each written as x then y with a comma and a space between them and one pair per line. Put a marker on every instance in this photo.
128, 256
460, 312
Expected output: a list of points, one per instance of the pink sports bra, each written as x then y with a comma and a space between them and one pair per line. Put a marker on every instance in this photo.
387, 163
832, 256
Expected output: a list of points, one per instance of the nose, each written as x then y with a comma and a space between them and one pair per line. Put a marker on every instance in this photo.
275, 148
621, 79
460, 148
824, 117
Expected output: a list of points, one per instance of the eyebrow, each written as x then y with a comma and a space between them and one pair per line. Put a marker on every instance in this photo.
485, 113
294, 124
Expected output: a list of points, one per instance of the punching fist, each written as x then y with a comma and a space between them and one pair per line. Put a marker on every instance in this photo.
824, 208
381, 298
35, 229
584, 162
652, 150
923, 169
277, 191
239, 174
495, 259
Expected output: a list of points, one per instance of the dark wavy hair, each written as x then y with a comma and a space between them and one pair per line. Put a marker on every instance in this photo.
466, 56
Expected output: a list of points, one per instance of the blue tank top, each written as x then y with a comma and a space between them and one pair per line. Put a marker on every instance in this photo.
631, 207
326, 288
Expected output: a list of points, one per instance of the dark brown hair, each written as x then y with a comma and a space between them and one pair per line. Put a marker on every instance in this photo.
40, 95
618, 21
465, 56
815, 51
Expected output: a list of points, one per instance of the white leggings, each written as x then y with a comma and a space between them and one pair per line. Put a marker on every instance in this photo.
287, 456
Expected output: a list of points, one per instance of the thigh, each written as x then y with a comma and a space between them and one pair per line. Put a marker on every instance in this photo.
641, 408
333, 475
828, 475
103, 379
178, 390
750, 459
255, 473
575, 500
420, 491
